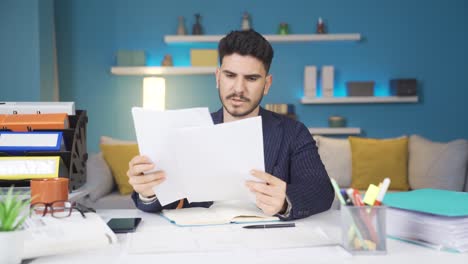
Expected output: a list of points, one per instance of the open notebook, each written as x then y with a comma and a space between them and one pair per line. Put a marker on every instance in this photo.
225, 212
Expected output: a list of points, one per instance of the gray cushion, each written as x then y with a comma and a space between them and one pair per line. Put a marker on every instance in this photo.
437, 165
466, 180
113, 200
99, 180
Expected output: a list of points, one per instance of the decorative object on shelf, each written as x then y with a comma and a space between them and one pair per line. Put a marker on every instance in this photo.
167, 60
403, 87
321, 26
181, 30
14, 211
282, 109
310, 81
283, 28
362, 88
245, 25
131, 58
328, 80
197, 28
204, 57
336, 121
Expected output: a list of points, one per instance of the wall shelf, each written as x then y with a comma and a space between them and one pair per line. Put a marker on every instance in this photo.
335, 130
142, 71
360, 100
271, 38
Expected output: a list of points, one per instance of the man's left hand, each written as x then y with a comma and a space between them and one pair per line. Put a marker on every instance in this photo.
270, 195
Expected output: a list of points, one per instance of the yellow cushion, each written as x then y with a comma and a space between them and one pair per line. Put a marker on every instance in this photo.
376, 159
117, 157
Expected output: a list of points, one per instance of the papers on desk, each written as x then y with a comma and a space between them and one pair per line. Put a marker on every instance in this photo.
202, 161
438, 232
50, 236
228, 237
433, 218
225, 212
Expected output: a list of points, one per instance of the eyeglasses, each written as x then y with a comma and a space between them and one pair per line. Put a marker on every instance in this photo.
58, 209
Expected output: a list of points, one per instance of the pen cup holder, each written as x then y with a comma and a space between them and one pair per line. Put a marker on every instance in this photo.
363, 229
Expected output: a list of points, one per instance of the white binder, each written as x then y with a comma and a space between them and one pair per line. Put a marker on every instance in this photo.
9, 108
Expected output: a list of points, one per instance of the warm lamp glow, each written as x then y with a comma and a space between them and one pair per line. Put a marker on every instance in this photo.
154, 93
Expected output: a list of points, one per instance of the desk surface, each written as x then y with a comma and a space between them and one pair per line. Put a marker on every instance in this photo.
398, 252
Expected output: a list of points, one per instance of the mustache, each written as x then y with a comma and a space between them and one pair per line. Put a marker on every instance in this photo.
238, 97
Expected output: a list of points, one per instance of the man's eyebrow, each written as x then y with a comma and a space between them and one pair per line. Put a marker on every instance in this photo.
246, 76
229, 72
253, 76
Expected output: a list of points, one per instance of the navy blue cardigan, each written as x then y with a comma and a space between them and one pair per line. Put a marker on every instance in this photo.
291, 155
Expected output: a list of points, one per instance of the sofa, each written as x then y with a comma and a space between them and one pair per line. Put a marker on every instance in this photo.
424, 163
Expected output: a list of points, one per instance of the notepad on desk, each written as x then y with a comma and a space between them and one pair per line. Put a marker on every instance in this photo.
226, 212
51, 236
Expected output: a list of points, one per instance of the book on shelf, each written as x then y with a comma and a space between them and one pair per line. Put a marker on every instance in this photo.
225, 212
429, 217
47, 235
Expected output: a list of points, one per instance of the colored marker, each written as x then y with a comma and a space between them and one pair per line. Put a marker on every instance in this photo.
350, 192
357, 198
382, 191
337, 191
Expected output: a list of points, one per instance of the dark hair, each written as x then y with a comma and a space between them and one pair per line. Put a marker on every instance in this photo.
247, 42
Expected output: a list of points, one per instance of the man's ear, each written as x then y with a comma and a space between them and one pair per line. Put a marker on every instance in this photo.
218, 72
268, 82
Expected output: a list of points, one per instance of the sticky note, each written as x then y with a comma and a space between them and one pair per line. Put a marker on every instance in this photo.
371, 194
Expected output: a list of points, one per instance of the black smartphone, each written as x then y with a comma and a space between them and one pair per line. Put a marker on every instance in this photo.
124, 225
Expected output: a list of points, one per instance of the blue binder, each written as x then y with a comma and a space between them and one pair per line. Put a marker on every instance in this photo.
430, 201
15, 142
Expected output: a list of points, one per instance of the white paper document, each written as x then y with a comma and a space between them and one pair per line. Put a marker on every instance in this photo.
231, 237
203, 162
154, 132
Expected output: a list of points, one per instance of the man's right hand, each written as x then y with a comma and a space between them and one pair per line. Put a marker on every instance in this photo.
144, 183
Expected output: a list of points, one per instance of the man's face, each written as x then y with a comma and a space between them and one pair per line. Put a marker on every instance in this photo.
242, 81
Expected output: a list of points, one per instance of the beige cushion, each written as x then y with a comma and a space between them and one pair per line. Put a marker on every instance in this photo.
336, 156
437, 165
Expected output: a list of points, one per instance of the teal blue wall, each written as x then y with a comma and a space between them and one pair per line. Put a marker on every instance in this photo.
26, 64
19, 51
46, 50
422, 39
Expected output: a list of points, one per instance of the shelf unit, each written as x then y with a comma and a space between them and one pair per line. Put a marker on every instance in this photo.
272, 38
360, 100
142, 71
335, 130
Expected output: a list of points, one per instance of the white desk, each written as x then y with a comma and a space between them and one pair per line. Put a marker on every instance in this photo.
398, 252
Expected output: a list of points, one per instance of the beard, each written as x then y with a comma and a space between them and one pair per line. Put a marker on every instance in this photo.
236, 111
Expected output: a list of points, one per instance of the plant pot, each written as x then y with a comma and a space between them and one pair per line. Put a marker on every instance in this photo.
11, 244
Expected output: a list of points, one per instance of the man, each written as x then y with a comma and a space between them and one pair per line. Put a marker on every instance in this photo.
296, 184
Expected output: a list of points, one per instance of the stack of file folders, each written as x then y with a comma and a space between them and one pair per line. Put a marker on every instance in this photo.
32, 131
429, 217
